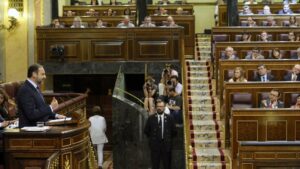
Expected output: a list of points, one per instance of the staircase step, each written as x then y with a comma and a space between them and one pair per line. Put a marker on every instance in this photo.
199, 87
199, 93
211, 165
198, 74
197, 143
204, 116
201, 125
209, 155
209, 135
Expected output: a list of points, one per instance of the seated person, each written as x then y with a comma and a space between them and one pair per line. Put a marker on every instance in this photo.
163, 2
55, 24
296, 55
91, 12
255, 54
99, 23
246, 37
168, 72
175, 105
161, 11
273, 101
77, 23
179, 11
250, 22
248, 2
69, 13
267, 2
170, 22
266, 10
294, 74
264, 36
276, 54
126, 23
262, 74
293, 21
127, 11
290, 1
297, 105
147, 22
292, 37
114, 2
229, 54
150, 90
286, 10
246, 10
238, 75
8, 108
96, 2
110, 12
270, 21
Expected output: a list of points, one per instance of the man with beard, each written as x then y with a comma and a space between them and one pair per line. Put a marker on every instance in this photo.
31, 104
160, 130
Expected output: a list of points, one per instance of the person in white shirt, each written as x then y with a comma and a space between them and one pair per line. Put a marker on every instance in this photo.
97, 131
77, 23
176, 84
126, 23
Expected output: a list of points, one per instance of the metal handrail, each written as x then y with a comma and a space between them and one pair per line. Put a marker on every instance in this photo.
133, 96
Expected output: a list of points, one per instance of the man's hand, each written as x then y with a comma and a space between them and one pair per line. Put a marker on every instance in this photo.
5, 123
59, 116
54, 103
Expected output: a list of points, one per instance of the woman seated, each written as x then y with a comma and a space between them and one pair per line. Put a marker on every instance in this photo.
56, 24
8, 108
99, 23
293, 21
150, 90
264, 36
246, 37
110, 12
276, 54
297, 105
238, 75
292, 37
250, 22
77, 23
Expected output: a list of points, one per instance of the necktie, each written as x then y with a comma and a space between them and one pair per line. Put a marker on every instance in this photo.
160, 127
263, 79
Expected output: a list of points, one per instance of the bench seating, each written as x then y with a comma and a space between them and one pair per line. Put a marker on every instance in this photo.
281, 20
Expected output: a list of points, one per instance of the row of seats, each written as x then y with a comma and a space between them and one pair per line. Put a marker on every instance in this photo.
238, 37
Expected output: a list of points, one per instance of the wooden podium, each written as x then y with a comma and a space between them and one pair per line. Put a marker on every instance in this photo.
69, 146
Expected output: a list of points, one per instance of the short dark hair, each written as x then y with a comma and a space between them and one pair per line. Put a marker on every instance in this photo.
33, 68
261, 65
97, 110
277, 90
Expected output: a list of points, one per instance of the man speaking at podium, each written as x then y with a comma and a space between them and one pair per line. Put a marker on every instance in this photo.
31, 104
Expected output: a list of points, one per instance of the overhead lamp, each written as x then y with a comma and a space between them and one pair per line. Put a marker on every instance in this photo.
13, 14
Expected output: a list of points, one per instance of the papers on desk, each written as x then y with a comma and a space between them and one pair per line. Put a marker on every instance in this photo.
34, 128
60, 120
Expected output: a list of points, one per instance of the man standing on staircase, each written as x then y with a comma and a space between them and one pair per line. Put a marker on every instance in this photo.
160, 130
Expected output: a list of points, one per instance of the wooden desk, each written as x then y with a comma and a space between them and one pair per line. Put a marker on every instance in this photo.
256, 154
255, 89
232, 31
186, 21
80, 10
110, 44
32, 149
255, 9
264, 125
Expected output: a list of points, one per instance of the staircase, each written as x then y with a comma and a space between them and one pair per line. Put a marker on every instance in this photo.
206, 130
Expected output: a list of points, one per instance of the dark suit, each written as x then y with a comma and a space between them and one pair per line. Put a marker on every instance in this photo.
280, 104
160, 148
32, 106
288, 77
269, 78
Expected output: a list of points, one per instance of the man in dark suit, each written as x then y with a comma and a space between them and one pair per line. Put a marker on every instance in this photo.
262, 75
294, 74
160, 129
31, 104
273, 101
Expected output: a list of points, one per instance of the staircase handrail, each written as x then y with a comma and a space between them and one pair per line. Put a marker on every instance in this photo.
53, 161
131, 95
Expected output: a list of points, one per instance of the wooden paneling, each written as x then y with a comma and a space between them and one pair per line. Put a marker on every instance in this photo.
254, 8
111, 44
269, 155
272, 125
